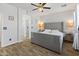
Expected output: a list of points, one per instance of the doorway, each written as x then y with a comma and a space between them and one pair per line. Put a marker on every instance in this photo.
27, 26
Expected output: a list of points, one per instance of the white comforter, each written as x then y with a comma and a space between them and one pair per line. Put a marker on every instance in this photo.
53, 32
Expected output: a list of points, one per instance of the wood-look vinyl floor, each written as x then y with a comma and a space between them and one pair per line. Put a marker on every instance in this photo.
26, 48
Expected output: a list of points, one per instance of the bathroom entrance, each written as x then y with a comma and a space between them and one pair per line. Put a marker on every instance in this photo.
27, 26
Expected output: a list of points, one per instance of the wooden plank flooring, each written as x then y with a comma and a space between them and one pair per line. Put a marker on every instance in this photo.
26, 48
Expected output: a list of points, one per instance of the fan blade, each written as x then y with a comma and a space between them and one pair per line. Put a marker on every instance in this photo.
46, 7
35, 9
34, 5
43, 4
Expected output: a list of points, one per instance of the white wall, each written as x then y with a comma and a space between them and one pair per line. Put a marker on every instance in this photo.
15, 28
34, 20
55, 17
60, 17
11, 32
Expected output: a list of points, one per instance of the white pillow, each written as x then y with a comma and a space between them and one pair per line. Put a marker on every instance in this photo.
55, 30
47, 30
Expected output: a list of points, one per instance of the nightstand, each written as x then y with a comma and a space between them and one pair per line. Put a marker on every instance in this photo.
69, 37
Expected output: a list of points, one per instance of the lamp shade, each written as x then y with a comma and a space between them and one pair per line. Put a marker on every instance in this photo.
70, 23
40, 25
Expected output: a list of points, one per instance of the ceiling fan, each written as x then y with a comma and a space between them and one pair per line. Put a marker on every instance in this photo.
40, 6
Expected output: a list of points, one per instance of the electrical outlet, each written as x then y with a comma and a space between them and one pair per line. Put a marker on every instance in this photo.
10, 39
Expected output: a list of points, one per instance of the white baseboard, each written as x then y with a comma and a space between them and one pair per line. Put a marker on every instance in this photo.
4, 45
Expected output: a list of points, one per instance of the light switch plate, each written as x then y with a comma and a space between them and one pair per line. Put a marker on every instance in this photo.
4, 28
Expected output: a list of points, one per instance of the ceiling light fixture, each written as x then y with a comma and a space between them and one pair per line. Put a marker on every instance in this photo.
40, 6
40, 9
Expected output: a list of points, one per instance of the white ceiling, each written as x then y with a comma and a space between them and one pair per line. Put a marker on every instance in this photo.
55, 7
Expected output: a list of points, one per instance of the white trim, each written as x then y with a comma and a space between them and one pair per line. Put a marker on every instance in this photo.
4, 45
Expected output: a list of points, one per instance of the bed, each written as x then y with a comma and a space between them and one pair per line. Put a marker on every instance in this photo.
52, 38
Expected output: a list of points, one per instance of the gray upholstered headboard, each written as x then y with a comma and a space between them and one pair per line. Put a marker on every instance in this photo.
54, 26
